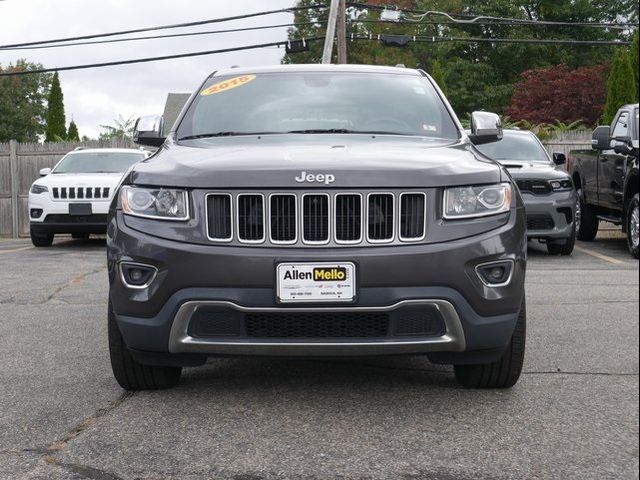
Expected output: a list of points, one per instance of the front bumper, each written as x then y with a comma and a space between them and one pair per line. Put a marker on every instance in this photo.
550, 216
53, 216
241, 280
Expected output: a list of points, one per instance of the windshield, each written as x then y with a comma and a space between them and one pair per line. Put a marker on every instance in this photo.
515, 146
318, 103
98, 162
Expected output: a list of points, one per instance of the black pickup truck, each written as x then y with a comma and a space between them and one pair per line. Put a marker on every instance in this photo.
607, 179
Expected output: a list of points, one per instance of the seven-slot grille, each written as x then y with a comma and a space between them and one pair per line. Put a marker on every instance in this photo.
345, 218
80, 193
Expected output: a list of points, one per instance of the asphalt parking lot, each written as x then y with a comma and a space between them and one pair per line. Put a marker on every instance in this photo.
574, 413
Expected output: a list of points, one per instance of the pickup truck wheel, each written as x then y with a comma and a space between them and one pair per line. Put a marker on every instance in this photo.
130, 374
41, 239
505, 372
563, 250
586, 220
633, 223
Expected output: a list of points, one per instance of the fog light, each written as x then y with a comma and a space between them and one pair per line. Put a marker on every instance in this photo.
135, 274
35, 212
138, 276
495, 274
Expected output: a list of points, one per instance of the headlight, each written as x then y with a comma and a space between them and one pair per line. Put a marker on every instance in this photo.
159, 203
38, 189
561, 185
470, 202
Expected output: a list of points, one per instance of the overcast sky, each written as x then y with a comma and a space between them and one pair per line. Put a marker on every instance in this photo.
97, 96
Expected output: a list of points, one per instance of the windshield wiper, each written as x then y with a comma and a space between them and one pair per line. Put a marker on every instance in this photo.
222, 134
343, 130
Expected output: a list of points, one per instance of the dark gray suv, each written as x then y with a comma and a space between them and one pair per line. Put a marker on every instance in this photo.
314, 211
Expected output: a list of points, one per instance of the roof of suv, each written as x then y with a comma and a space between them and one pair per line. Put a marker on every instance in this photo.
316, 68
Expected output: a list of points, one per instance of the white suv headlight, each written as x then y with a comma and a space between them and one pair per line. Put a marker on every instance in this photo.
482, 201
158, 203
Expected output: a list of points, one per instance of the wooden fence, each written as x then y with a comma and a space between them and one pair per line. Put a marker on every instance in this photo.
20, 164
567, 141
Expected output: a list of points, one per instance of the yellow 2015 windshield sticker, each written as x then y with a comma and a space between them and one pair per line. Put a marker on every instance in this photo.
228, 85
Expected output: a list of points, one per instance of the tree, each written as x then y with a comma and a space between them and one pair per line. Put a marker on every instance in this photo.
438, 76
635, 58
23, 103
477, 75
621, 87
558, 94
56, 129
73, 134
122, 129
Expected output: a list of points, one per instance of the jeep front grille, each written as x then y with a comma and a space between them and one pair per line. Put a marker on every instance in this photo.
80, 193
348, 218
251, 214
316, 218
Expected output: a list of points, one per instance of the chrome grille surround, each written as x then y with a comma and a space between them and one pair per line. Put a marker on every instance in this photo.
354, 231
242, 212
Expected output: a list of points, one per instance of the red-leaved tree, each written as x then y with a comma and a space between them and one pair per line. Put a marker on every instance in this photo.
547, 95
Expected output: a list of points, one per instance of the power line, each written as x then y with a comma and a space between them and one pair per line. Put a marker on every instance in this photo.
154, 59
162, 27
173, 35
502, 23
478, 19
402, 39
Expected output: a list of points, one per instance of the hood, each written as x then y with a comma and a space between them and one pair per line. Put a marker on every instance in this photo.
521, 170
80, 180
352, 161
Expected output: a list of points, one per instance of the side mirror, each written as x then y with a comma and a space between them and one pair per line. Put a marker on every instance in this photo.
44, 172
485, 128
622, 145
559, 158
148, 131
600, 140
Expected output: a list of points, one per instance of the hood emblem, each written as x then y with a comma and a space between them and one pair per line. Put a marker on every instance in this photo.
326, 178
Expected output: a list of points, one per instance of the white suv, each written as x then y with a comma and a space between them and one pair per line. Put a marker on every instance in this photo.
75, 195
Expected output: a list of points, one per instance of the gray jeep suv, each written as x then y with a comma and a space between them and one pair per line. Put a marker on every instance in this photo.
317, 211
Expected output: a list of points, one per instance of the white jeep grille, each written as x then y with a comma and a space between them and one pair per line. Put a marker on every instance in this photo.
80, 193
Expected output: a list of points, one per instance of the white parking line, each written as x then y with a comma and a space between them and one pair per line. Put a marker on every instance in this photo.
16, 250
606, 258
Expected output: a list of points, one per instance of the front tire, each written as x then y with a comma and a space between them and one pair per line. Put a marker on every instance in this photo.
587, 222
41, 239
503, 373
633, 222
563, 250
130, 374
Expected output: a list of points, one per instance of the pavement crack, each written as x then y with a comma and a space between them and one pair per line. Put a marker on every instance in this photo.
86, 422
73, 281
84, 471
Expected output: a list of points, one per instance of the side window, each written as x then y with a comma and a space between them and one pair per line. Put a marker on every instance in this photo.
621, 128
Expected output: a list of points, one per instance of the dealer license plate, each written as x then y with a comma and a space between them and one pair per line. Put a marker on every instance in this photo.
316, 282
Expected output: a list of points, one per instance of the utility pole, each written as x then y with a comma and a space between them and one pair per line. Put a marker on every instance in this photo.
342, 32
327, 53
